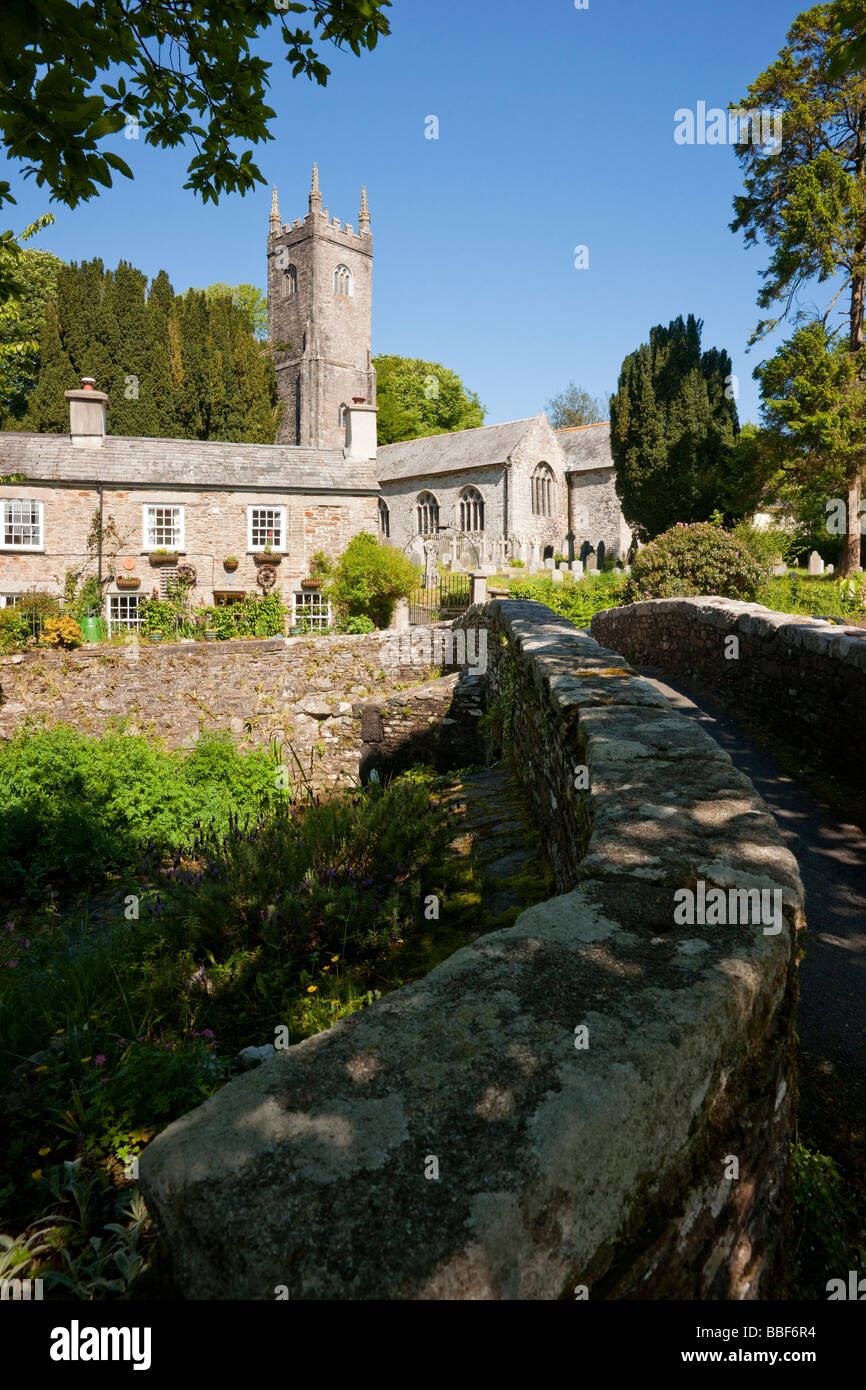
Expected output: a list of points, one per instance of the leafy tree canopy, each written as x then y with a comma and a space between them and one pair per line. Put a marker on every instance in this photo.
250, 299
34, 285
574, 406
417, 398
73, 75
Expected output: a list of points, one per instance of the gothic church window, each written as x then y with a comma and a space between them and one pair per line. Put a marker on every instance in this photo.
471, 510
427, 511
542, 491
343, 283
341, 416
290, 282
384, 520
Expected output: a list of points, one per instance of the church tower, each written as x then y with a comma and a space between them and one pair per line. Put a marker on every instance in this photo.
320, 280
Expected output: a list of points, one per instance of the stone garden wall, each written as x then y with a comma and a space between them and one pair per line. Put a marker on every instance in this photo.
594, 1101
338, 703
801, 677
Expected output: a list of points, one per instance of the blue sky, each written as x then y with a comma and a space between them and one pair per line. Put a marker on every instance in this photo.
555, 130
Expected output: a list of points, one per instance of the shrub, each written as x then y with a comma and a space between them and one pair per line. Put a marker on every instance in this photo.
767, 544
690, 560
359, 625
369, 578
575, 601
62, 632
14, 629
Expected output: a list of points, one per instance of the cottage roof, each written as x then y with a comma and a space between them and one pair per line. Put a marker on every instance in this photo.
484, 447
586, 446
178, 463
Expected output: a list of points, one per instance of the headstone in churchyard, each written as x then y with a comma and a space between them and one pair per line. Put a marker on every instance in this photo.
558, 577
626, 569
592, 561
816, 564
576, 566
779, 566
828, 569
549, 563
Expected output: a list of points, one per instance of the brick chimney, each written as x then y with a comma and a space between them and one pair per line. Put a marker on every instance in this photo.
87, 409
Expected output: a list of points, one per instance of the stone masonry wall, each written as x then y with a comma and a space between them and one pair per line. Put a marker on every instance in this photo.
464, 1137
338, 703
801, 676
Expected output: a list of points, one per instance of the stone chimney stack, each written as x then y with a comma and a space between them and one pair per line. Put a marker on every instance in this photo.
360, 430
87, 409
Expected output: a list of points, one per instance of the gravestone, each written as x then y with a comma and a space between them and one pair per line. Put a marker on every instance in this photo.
816, 564
557, 577
828, 569
779, 566
591, 562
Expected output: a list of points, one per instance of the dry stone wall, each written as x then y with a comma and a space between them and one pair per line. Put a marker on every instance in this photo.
593, 1102
341, 704
802, 677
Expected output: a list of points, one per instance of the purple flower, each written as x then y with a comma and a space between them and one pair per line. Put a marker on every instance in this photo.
99, 1060
208, 1033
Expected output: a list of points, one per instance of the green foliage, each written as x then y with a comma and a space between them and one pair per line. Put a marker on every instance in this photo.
358, 625
178, 367
690, 560
21, 319
813, 596
62, 632
673, 425
417, 398
187, 73
248, 298
767, 544
829, 1235
575, 601
574, 406
369, 578
75, 807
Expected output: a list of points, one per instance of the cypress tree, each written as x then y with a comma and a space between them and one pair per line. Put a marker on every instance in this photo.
673, 424
48, 410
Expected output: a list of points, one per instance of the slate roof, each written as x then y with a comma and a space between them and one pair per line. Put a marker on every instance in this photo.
586, 446
180, 463
483, 447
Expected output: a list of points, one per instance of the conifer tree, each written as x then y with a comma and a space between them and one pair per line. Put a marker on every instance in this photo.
673, 424
48, 409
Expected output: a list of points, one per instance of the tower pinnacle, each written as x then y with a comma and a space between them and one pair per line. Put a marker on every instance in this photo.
315, 195
275, 223
364, 215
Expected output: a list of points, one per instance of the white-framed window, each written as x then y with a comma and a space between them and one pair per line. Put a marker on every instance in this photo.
343, 282
10, 600
312, 608
427, 514
266, 526
162, 526
384, 519
22, 524
123, 613
471, 510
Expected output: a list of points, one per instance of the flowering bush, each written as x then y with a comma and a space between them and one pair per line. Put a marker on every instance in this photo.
690, 560
62, 632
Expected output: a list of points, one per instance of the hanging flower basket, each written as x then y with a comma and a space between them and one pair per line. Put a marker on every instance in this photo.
266, 577
267, 557
311, 583
231, 563
128, 581
164, 557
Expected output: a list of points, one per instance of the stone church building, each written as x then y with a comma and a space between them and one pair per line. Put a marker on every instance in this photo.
249, 517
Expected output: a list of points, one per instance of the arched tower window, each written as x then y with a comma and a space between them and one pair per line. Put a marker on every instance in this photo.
343, 282
542, 491
384, 520
290, 282
427, 513
471, 510
341, 415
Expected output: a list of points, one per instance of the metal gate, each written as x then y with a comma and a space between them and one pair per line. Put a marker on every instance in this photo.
441, 602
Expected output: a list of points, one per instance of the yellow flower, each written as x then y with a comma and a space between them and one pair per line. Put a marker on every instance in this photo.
311, 989
43, 1152
334, 958
59, 1030
37, 1173
42, 1068
325, 968
85, 1059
